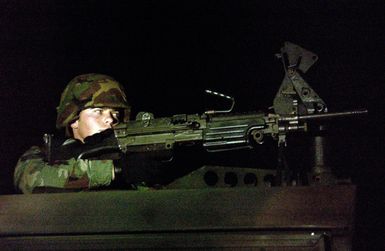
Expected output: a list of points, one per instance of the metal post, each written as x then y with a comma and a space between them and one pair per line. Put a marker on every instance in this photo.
321, 173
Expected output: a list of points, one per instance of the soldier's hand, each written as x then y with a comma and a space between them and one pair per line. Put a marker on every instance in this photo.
105, 137
102, 145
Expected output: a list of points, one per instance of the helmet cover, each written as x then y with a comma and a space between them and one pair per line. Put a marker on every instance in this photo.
87, 91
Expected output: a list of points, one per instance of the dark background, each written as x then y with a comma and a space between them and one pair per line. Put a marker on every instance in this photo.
167, 52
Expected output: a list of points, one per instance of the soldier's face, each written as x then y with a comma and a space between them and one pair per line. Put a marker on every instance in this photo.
93, 120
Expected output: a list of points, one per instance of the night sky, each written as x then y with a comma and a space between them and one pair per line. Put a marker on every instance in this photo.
166, 53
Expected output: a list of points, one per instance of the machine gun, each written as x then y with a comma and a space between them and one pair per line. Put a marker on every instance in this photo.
216, 132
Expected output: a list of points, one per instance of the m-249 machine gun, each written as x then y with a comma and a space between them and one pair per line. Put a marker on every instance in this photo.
214, 132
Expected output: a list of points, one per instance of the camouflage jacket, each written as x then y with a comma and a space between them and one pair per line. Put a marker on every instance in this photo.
33, 173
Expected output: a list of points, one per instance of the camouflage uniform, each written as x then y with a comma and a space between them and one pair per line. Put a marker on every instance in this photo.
84, 91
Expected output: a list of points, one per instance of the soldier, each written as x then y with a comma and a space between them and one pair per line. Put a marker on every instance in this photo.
90, 104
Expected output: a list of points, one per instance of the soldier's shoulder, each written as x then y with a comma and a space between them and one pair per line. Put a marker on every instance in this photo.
34, 152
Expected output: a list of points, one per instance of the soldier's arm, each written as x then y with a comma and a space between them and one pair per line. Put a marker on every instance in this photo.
33, 174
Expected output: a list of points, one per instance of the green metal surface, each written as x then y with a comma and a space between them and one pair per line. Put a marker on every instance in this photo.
178, 210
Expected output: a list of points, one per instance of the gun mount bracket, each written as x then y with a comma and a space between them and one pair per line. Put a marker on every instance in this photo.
295, 96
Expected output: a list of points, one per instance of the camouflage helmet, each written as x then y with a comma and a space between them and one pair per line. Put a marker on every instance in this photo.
90, 90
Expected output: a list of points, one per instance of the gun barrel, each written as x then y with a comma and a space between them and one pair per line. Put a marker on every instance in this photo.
333, 115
